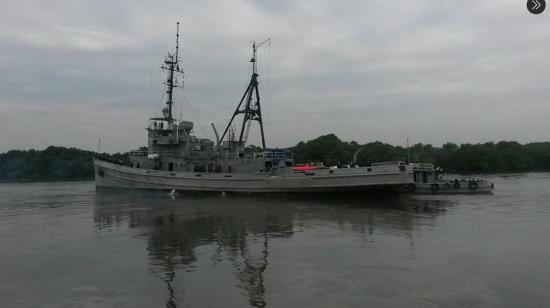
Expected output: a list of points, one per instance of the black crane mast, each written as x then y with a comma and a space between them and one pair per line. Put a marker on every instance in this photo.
252, 109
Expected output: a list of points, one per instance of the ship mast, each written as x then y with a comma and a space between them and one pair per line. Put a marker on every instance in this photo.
252, 110
172, 66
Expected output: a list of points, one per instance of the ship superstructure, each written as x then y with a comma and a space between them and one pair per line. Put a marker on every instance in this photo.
172, 146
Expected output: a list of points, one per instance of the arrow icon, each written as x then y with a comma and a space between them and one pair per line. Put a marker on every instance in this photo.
536, 6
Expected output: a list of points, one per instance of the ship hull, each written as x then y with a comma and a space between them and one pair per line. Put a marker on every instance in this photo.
350, 179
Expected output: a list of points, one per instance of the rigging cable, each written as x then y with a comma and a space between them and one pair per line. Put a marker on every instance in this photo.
269, 93
194, 114
161, 99
247, 131
160, 103
206, 94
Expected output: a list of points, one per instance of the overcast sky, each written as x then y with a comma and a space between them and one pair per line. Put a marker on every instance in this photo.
434, 71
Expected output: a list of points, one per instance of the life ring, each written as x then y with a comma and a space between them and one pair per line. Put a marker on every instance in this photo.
411, 188
472, 185
447, 186
456, 185
434, 187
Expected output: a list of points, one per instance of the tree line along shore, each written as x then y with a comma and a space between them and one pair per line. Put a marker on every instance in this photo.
61, 163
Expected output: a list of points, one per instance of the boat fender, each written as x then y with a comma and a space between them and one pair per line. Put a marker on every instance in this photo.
447, 186
434, 187
411, 187
100, 172
472, 185
456, 185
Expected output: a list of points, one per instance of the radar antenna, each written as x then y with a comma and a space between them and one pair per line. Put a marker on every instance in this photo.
252, 110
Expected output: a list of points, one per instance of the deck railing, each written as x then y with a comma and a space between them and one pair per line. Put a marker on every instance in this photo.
266, 155
388, 163
422, 166
278, 155
138, 153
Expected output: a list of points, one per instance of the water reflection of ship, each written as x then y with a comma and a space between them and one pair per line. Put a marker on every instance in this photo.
173, 232
171, 243
241, 229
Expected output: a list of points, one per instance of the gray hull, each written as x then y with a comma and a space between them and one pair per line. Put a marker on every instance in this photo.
323, 180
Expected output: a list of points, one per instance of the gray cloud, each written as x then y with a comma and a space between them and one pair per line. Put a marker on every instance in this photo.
433, 71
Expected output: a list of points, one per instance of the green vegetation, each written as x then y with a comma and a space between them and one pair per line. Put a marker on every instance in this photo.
252, 149
53, 163
59, 163
504, 156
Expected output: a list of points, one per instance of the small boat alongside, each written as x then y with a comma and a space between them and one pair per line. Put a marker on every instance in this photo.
431, 180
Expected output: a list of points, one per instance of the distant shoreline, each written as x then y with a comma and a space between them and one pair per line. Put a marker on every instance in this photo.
16, 181
504, 157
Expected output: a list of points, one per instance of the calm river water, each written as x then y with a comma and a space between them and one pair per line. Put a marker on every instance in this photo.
66, 245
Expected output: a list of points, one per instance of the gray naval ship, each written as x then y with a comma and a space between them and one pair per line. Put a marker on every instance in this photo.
177, 160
